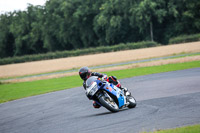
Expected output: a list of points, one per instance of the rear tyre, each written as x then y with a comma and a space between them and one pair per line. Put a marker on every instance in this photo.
109, 103
132, 102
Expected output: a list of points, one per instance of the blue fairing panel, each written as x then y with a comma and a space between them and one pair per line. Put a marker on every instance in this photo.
120, 97
121, 100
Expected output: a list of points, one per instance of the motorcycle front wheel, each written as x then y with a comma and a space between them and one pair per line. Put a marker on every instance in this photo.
109, 103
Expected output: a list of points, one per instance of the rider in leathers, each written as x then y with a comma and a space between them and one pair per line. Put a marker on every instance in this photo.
85, 73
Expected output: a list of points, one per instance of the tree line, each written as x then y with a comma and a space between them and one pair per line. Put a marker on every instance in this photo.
75, 24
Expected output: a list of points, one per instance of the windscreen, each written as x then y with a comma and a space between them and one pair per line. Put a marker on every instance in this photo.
90, 81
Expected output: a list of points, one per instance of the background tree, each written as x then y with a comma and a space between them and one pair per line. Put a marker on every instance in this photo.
6, 36
146, 13
112, 24
74, 24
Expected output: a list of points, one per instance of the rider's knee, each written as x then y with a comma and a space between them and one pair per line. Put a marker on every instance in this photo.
95, 105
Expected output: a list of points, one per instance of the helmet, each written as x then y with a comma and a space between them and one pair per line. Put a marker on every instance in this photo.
84, 73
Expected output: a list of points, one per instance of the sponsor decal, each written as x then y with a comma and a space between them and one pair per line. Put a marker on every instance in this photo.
110, 89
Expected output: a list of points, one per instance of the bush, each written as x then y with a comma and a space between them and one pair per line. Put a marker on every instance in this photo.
185, 38
62, 54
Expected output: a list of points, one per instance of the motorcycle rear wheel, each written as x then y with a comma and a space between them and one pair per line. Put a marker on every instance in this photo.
132, 102
109, 103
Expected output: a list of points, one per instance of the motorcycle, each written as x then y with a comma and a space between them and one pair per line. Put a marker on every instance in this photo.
108, 95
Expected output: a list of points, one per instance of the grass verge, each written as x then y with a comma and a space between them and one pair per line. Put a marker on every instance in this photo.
14, 91
186, 129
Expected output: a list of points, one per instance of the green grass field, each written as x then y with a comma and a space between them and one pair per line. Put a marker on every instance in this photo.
14, 91
186, 129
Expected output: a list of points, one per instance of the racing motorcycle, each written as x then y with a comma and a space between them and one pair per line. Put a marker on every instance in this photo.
108, 95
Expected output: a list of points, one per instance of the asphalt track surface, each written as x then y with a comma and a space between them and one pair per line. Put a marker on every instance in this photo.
165, 100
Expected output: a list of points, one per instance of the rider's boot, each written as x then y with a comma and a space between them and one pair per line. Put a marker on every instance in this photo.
126, 92
113, 79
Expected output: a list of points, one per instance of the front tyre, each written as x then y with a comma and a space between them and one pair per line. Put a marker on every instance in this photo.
109, 103
132, 102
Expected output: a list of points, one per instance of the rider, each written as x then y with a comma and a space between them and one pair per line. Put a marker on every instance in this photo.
85, 73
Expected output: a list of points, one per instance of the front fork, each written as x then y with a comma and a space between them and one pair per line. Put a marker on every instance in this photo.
105, 94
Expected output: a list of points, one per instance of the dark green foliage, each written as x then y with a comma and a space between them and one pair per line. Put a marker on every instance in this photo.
185, 38
62, 25
54, 55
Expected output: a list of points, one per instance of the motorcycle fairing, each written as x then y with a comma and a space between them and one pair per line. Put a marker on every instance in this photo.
116, 92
